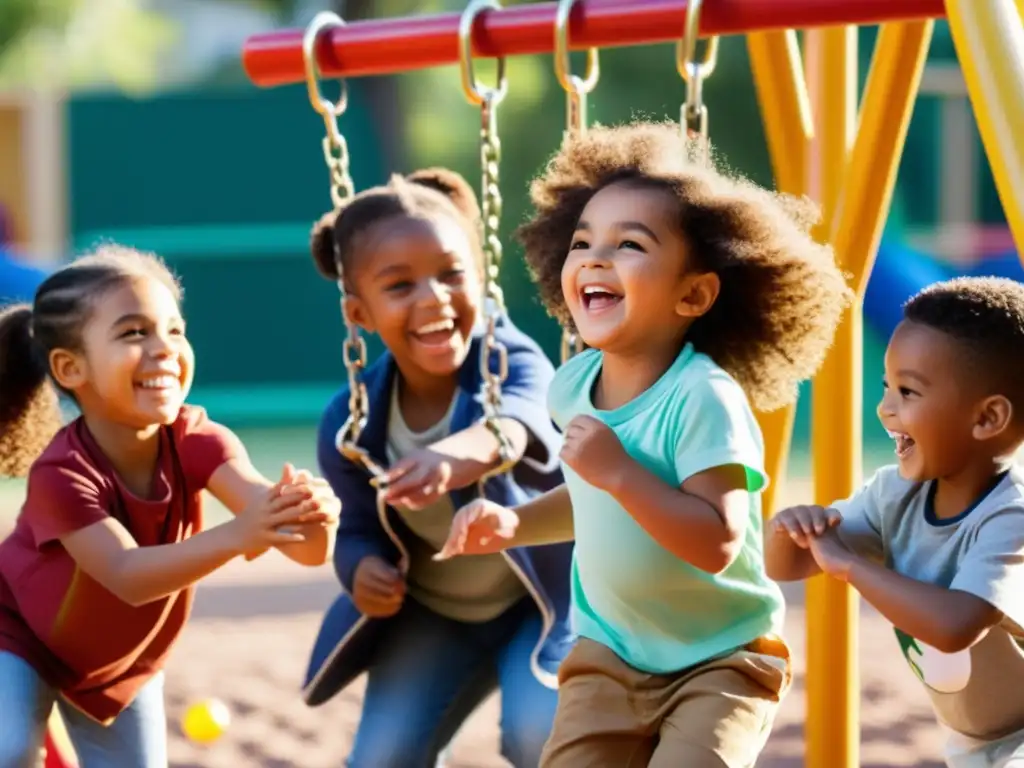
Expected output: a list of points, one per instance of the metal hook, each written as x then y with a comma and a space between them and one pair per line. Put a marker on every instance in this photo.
324, 107
689, 66
563, 66
476, 93
694, 113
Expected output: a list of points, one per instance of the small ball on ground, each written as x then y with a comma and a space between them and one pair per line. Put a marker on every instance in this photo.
205, 721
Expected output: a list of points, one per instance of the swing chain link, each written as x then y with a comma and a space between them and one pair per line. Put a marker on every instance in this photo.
694, 71
576, 91
493, 354
336, 156
494, 297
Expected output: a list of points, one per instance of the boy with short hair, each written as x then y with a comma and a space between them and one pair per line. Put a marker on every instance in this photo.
936, 542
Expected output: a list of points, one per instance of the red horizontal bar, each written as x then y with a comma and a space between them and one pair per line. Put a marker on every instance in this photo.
386, 46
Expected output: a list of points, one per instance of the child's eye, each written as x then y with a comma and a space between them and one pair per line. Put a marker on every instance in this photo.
401, 285
905, 392
453, 275
133, 333
885, 384
578, 245
632, 245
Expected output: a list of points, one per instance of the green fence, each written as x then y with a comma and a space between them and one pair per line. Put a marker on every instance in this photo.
225, 185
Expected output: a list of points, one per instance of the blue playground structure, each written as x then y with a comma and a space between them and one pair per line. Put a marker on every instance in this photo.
18, 280
901, 271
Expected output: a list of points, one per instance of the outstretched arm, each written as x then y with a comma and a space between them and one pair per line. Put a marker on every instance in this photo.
237, 484
483, 527
949, 620
545, 519
474, 451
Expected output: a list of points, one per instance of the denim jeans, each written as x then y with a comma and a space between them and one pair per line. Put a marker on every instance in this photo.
136, 739
429, 674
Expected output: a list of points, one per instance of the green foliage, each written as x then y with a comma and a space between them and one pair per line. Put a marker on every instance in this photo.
67, 44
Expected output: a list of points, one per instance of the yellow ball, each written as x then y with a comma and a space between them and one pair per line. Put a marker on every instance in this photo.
205, 721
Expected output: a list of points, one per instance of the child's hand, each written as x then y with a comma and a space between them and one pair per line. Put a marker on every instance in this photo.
593, 451
832, 556
378, 588
802, 524
479, 528
265, 523
327, 502
418, 480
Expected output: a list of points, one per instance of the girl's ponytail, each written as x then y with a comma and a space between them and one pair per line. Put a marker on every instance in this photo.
29, 409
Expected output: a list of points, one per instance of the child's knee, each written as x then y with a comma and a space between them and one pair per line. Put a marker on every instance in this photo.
525, 730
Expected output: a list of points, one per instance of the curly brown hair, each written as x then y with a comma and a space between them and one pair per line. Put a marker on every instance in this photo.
427, 192
781, 294
29, 407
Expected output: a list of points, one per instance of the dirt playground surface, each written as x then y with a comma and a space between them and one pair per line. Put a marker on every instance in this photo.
254, 624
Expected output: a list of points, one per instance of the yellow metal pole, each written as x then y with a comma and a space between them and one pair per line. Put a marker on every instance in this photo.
833, 711
786, 113
857, 223
989, 39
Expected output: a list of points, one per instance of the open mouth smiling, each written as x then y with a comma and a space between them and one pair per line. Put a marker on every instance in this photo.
904, 443
596, 298
437, 333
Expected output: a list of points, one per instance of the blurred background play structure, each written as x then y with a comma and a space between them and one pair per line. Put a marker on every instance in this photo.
161, 142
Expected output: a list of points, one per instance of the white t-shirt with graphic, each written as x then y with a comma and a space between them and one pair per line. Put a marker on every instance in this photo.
977, 694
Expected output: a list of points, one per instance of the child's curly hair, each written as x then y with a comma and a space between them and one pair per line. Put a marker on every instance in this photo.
781, 294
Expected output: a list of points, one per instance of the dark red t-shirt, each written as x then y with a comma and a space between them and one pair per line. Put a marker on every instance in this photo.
93, 647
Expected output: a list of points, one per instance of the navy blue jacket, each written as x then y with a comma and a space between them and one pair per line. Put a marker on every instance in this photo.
342, 649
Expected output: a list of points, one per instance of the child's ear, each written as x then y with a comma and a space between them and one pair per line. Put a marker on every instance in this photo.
700, 292
355, 312
995, 415
68, 369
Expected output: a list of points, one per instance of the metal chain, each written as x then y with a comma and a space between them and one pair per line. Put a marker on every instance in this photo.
336, 156
693, 115
576, 91
493, 355
494, 298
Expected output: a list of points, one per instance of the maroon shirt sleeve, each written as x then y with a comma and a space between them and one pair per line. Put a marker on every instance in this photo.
60, 500
203, 445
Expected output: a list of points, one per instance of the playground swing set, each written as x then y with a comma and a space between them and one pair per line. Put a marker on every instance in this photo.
844, 153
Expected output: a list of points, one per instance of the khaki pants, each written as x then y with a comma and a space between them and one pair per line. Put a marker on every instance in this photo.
716, 714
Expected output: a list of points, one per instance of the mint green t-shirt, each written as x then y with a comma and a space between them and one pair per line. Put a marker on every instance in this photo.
657, 612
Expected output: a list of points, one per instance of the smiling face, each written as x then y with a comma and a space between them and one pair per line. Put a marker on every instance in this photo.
625, 279
941, 420
417, 285
135, 364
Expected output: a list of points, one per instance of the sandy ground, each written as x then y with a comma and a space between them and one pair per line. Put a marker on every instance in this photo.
254, 624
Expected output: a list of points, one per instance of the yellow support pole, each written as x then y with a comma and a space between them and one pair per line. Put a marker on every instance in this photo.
989, 40
833, 700
857, 223
786, 113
